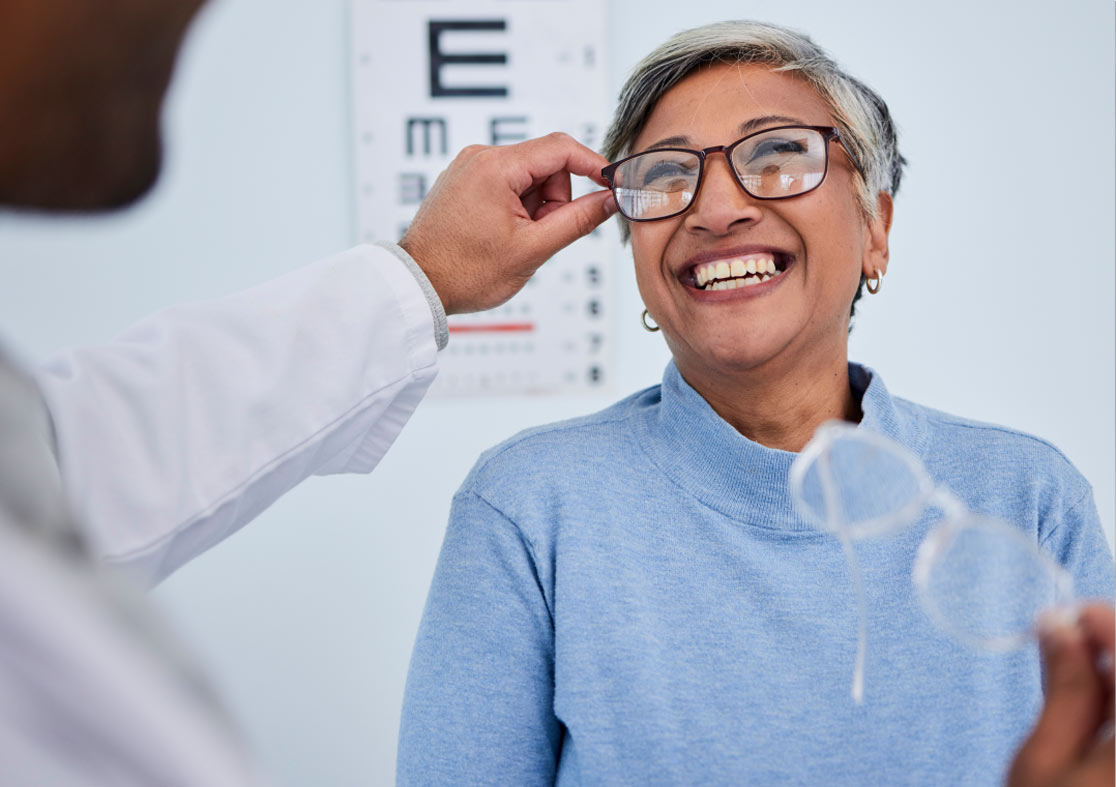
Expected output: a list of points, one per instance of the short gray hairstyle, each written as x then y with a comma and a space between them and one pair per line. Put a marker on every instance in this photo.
867, 130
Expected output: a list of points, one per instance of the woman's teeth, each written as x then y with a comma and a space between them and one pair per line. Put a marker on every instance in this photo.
738, 272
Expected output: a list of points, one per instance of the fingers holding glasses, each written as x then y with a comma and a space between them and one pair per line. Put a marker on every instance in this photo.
1071, 742
548, 196
497, 213
538, 159
550, 162
552, 189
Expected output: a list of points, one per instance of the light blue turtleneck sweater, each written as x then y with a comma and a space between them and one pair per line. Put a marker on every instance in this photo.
630, 598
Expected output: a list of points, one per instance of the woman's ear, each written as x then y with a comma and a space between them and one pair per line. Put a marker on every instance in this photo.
876, 251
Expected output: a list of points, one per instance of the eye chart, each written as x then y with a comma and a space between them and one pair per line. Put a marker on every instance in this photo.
429, 78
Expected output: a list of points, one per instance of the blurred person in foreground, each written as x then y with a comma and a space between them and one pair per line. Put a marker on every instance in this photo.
632, 596
145, 452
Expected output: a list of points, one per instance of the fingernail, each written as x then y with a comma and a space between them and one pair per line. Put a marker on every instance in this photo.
1056, 626
610, 204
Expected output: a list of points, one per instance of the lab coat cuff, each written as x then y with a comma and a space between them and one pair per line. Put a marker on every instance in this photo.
441, 327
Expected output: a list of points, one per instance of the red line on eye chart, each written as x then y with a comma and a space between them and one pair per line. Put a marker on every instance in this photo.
493, 327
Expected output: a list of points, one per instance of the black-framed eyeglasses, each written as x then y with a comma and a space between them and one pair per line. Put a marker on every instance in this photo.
774, 163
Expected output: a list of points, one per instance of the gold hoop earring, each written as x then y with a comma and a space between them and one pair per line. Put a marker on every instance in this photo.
874, 288
646, 327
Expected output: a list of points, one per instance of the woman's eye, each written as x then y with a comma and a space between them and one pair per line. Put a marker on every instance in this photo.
666, 175
777, 147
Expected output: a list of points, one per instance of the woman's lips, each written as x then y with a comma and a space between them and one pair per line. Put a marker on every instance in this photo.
746, 270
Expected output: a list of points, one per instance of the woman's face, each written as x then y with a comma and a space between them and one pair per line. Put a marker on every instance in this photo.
820, 241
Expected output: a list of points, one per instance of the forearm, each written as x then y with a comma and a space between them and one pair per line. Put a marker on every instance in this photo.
196, 419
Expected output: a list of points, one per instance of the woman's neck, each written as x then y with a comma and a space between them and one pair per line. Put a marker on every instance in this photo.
780, 407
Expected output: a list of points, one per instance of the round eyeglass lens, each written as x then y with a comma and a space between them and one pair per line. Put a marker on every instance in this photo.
985, 583
856, 486
656, 184
781, 163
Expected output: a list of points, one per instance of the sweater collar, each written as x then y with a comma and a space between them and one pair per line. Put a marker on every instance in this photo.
702, 453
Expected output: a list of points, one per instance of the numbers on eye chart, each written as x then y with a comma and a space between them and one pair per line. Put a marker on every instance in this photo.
504, 349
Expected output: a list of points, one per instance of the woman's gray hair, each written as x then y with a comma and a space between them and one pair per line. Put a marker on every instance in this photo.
867, 130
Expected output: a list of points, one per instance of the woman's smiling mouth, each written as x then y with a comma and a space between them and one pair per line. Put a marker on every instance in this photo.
744, 270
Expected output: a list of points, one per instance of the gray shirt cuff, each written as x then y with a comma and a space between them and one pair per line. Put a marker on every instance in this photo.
441, 327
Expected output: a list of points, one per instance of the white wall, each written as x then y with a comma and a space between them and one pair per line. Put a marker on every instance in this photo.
998, 306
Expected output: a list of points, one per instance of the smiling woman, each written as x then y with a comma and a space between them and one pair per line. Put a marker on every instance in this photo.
786, 334
632, 597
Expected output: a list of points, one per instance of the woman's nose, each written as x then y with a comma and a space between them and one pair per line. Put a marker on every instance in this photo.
721, 204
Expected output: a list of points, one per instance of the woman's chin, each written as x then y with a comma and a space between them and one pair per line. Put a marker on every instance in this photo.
740, 355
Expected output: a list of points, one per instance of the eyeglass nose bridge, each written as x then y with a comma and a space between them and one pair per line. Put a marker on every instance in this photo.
715, 149
727, 150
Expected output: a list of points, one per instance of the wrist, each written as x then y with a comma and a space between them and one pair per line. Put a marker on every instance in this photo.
422, 259
434, 299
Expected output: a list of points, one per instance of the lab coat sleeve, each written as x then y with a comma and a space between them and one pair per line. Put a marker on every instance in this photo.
478, 707
196, 419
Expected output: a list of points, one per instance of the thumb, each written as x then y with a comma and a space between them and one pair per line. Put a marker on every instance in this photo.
1071, 712
563, 225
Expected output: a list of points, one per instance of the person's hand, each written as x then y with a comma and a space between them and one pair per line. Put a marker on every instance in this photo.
497, 213
1071, 743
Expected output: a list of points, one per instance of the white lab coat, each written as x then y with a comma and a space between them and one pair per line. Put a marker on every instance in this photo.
198, 418
167, 441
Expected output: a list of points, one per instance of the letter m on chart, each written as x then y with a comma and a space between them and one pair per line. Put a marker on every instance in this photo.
427, 125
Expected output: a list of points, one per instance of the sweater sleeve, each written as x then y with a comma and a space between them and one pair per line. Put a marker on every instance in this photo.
1074, 536
478, 707
198, 418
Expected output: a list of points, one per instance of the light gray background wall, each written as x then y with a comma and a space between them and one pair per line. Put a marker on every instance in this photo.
999, 306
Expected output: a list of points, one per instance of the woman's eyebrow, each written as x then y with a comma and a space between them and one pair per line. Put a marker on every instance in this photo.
668, 142
751, 125
744, 129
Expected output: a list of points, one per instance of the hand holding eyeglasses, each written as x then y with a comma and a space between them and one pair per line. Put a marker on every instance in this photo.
497, 213
1072, 743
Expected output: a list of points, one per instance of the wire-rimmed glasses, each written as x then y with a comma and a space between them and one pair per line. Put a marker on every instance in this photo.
980, 579
774, 163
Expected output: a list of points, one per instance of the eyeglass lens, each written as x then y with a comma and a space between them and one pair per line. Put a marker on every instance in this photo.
985, 583
769, 165
868, 485
982, 580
